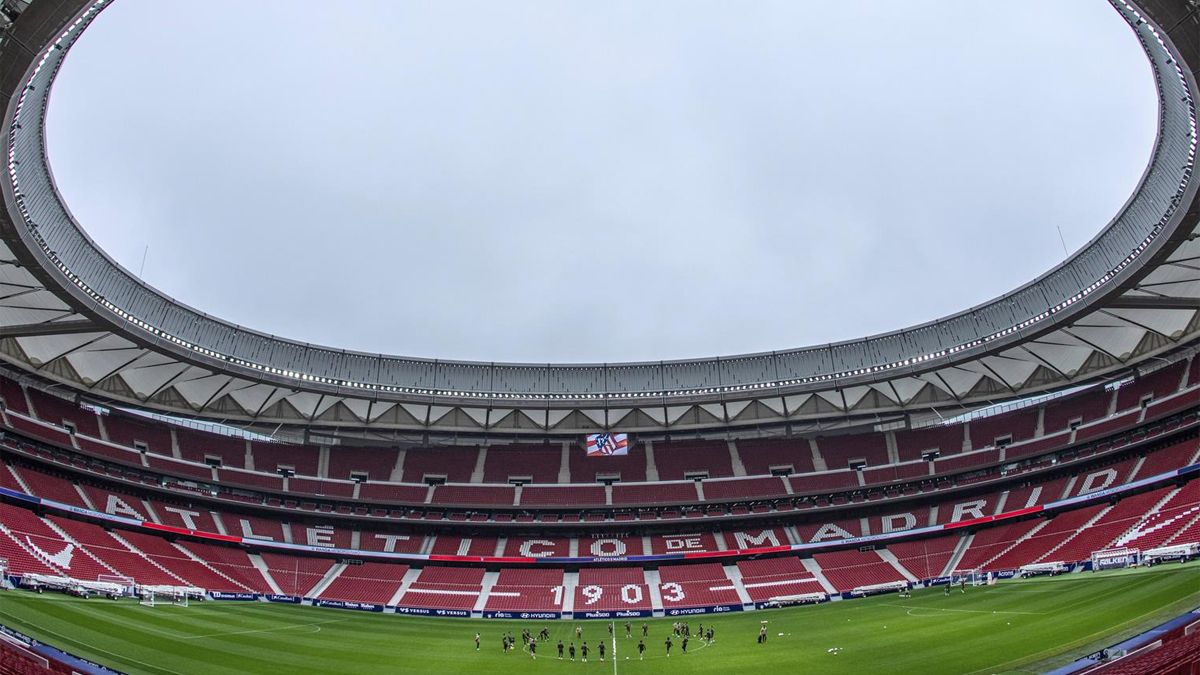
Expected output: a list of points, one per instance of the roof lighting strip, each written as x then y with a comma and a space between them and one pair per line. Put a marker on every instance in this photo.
69, 34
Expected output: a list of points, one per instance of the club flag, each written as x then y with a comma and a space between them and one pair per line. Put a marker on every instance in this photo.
607, 445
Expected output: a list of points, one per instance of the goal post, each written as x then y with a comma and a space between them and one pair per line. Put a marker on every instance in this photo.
146, 599
127, 583
973, 577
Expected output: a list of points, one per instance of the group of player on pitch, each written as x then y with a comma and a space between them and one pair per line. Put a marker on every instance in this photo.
680, 630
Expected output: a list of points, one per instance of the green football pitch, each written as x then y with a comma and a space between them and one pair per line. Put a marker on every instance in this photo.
1013, 626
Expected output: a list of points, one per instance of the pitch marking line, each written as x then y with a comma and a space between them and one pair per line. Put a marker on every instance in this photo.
318, 624
910, 609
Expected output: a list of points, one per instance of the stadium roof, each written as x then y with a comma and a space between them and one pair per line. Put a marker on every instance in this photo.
71, 314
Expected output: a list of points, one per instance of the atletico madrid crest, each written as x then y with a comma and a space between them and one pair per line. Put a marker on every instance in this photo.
607, 445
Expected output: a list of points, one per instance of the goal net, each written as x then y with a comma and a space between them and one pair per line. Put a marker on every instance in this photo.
127, 584
972, 577
1115, 558
153, 597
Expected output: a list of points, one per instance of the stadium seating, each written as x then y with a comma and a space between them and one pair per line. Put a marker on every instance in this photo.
913, 444
231, 562
1042, 544
1018, 425
925, 558
1081, 408
375, 463
198, 446
759, 456
455, 464
13, 395
445, 588
769, 578
135, 432
848, 570
1112, 524
527, 590
166, 555
296, 575
55, 410
1180, 656
990, 542
270, 457
182, 451
533, 464
679, 460
546, 495
840, 451
115, 554
1169, 524
611, 589
703, 585
371, 582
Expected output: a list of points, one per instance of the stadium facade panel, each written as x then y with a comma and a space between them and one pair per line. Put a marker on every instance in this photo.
71, 314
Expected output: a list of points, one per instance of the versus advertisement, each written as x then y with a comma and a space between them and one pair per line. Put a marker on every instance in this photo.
426, 611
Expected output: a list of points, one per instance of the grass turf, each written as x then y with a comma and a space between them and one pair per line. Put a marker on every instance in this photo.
1016, 626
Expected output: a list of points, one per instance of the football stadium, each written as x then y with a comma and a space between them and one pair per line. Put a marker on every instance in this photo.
1014, 487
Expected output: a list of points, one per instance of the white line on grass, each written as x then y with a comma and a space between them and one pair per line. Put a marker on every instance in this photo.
263, 630
910, 608
613, 633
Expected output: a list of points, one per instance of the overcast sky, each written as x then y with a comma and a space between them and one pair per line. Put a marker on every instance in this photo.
587, 181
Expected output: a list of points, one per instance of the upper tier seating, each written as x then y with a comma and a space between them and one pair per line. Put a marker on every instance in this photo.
840, 451
55, 410
760, 456
375, 463
13, 395
139, 432
1018, 425
679, 460
182, 451
1077, 409
198, 446
455, 464
580, 495
531, 463
912, 444
270, 457
1156, 385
